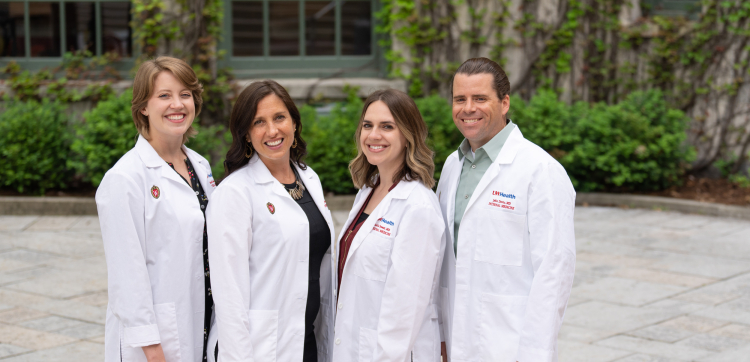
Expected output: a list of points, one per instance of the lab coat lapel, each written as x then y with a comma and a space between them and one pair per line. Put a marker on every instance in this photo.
152, 160
506, 156
200, 168
316, 193
262, 175
455, 175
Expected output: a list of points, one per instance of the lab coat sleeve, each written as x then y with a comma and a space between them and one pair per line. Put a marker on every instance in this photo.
551, 205
409, 282
120, 204
229, 223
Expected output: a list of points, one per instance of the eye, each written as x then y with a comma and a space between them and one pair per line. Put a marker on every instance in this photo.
280, 117
187, 95
163, 95
458, 100
366, 126
481, 99
257, 122
388, 126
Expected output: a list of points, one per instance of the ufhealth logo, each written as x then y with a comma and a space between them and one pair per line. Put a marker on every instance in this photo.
502, 194
386, 221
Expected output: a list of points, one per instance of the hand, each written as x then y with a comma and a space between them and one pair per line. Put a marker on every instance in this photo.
154, 353
443, 351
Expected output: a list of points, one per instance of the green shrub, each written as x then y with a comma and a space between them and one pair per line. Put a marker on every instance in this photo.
330, 142
212, 143
638, 144
443, 136
34, 145
105, 134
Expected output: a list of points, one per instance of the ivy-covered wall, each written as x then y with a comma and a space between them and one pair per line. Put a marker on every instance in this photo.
589, 50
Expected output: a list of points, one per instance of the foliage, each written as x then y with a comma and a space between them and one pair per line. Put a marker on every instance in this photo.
330, 142
34, 146
212, 142
638, 144
443, 137
76, 65
104, 135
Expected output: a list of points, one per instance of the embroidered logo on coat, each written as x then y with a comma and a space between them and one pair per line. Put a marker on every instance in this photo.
155, 192
271, 208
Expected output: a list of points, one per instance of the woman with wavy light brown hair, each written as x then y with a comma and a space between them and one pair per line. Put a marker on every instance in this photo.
387, 260
151, 206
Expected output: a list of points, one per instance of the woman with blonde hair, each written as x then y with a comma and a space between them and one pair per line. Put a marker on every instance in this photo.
151, 206
388, 256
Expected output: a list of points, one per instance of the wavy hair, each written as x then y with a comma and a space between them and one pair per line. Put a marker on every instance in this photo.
418, 163
241, 119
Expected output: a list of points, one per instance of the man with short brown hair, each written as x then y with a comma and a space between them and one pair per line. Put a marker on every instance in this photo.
508, 208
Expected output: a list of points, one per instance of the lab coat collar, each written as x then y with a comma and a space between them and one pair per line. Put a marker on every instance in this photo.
510, 148
152, 160
401, 191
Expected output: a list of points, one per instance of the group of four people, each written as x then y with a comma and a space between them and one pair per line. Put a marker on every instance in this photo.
478, 270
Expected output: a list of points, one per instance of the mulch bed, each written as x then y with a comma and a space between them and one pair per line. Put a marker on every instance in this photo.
708, 190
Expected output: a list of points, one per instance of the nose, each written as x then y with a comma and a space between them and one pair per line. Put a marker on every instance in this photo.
470, 106
176, 103
375, 134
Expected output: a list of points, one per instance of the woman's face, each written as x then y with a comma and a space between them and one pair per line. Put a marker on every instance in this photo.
380, 139
171, 108
272, 130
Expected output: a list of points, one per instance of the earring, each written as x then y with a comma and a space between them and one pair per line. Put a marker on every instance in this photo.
249, 147
294, 145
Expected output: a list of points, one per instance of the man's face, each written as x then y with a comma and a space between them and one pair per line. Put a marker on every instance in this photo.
477, 111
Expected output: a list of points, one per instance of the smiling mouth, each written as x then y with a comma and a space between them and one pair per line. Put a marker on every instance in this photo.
376, 147
275, 143
176, 117
472, 120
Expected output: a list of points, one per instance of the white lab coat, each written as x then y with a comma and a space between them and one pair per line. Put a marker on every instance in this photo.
154, 252
259, 254
504, 298
387, 303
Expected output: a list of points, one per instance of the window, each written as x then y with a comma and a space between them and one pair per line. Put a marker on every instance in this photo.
37, 33
672, 8
301, 38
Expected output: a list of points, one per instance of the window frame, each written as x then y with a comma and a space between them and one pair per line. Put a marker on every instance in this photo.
27, 62
302, 65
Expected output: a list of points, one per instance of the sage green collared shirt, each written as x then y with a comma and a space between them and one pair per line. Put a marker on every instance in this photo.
474, 166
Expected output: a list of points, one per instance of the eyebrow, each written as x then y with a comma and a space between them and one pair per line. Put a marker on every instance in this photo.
168, 90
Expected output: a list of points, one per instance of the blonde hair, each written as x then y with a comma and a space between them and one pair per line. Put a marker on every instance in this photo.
418, 163
143, 88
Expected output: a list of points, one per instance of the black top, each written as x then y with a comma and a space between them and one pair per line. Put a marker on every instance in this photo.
320, 241
362, 217
203, 201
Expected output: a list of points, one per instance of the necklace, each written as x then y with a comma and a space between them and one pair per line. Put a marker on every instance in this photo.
299, 189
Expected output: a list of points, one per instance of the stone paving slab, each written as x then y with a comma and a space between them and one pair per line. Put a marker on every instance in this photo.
650, 286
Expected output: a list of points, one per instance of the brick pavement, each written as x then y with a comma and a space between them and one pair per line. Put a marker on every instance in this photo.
650, 286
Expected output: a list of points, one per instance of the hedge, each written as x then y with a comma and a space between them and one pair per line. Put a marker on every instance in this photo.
638, 144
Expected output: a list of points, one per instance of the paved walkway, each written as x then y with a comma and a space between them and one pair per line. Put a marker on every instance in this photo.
650, 286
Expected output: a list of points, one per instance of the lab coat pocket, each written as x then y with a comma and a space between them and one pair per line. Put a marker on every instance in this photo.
368, 339
500, 238
373, 256
500, 327
264, 325
166, 319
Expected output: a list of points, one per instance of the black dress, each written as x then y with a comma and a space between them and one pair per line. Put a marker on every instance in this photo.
320, 241
203, 200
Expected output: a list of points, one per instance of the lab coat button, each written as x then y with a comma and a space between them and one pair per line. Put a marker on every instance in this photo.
466, 196
341, 305
338, 340
473, 166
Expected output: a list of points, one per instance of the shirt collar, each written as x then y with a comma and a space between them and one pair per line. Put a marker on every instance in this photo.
491, 148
